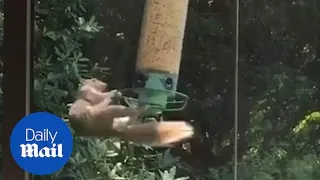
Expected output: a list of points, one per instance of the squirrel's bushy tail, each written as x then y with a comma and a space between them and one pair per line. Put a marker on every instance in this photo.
158, 134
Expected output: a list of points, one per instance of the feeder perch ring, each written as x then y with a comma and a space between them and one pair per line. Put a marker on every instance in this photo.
176, 101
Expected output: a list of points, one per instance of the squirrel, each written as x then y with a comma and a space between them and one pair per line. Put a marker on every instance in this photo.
96, 113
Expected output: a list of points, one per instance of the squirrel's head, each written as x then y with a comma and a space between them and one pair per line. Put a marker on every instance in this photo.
94, 83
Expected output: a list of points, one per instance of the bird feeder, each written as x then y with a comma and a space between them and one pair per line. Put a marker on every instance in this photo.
159, 57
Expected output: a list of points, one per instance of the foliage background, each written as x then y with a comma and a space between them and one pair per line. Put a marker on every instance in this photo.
279, 86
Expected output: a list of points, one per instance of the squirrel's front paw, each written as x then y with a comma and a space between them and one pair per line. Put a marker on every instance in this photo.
115, 93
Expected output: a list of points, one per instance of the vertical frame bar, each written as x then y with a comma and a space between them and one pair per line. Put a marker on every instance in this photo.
18, 81
236, 89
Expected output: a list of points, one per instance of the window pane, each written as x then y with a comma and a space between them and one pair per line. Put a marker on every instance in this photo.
279, 90
84, 39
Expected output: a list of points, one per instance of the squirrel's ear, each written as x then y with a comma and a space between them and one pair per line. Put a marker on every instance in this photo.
81, 80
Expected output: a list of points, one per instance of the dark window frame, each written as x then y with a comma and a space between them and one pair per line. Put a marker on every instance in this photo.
18, 80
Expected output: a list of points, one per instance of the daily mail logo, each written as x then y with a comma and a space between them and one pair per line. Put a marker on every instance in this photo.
41, 143
33, 150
